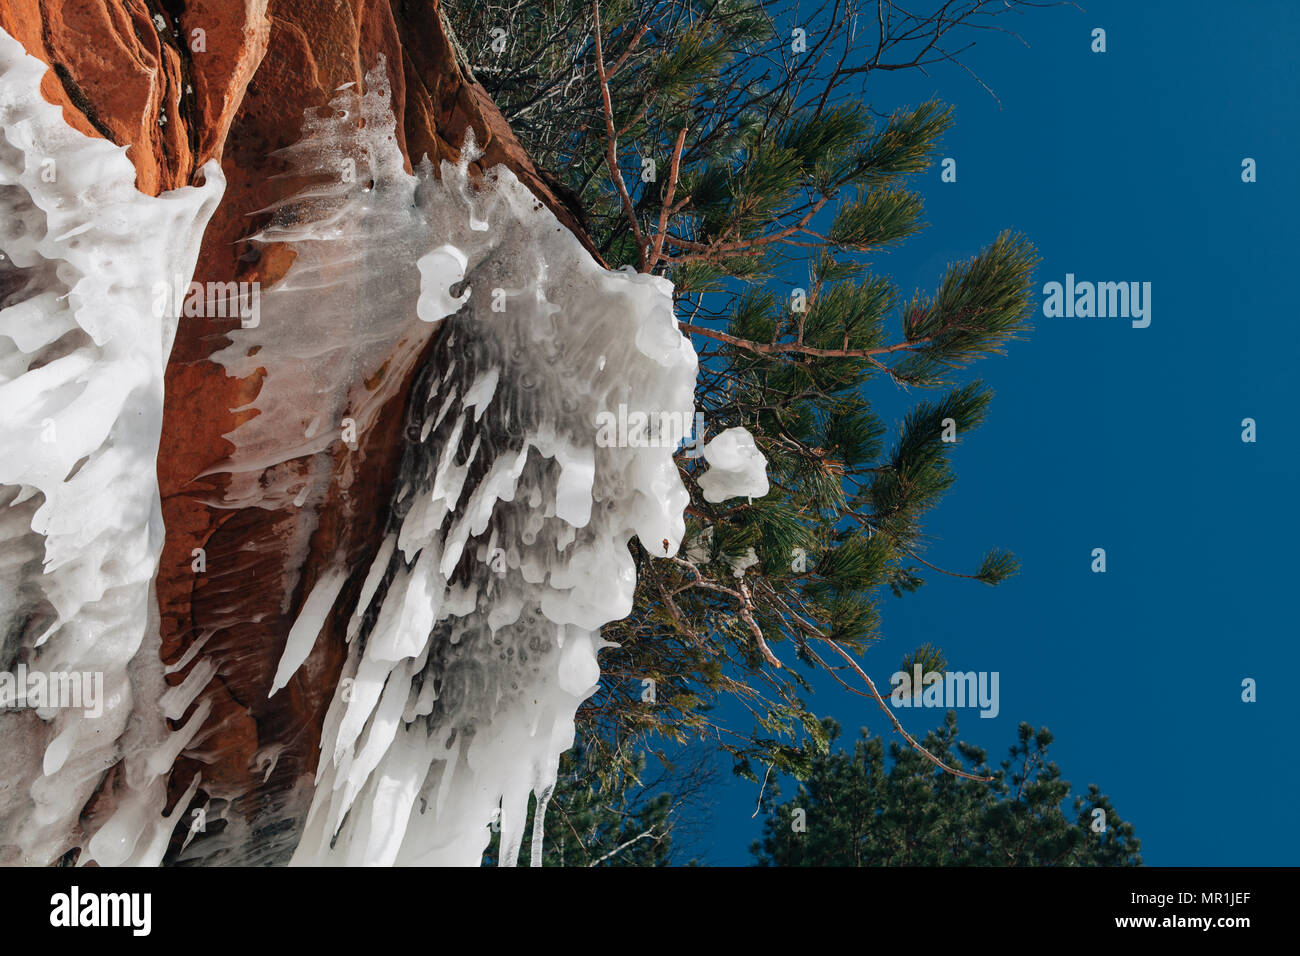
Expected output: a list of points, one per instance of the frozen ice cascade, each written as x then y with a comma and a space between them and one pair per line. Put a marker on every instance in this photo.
474, 639
475, 636
81, 384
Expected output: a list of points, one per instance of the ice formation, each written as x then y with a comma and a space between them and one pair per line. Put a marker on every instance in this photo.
82, 354
475, 636
737, 469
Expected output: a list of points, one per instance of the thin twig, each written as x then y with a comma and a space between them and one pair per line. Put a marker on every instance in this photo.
611, 139
648, 834
760, 793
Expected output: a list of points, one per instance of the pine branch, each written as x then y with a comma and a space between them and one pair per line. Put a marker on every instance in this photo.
798, 348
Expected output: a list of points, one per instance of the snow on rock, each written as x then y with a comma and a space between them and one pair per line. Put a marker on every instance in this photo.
736, 468
82, 353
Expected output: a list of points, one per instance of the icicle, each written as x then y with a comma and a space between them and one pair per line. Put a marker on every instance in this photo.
539, 824
302, 636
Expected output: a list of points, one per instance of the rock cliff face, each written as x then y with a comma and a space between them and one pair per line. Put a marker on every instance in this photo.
179, 83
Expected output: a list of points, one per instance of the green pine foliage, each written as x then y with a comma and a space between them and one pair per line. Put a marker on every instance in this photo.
862, 808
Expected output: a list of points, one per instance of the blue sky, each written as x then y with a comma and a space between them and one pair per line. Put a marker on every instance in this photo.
1122, 166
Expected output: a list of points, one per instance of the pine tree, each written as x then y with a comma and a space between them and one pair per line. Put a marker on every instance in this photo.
698, 140
860, 810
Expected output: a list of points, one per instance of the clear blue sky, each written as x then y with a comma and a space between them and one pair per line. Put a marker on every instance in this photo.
1122, 166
